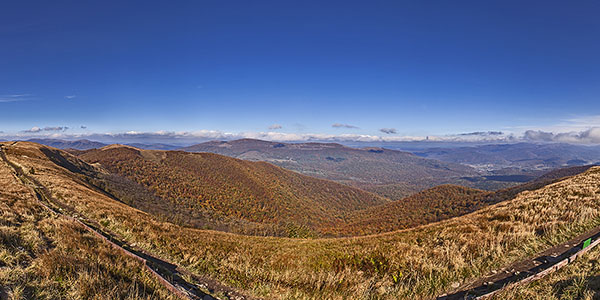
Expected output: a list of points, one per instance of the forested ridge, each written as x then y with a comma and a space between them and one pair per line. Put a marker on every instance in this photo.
211, 191
253, 191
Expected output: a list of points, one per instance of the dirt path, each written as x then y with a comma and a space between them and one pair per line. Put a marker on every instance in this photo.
527, 270
170, 275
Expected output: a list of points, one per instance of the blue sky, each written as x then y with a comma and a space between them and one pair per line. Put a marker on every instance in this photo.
295, 68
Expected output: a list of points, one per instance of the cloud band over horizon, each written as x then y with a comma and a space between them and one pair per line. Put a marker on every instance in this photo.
588, 136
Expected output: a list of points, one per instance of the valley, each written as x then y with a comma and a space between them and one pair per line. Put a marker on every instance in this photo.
393, 174
419, 262
526, 156
299, 150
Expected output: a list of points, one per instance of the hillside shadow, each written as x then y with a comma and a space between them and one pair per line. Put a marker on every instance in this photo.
3, 294
575, 287
57, 158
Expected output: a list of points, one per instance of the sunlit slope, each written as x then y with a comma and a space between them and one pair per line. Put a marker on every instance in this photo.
436, 204
252, 191
43, 256
417, 263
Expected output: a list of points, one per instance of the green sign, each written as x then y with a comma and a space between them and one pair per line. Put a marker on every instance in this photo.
586, 243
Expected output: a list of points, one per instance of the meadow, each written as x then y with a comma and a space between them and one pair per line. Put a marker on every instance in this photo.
417, 263
44, 256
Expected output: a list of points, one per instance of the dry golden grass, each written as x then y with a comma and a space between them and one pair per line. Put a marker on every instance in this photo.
579, 280
43, 256
418, 263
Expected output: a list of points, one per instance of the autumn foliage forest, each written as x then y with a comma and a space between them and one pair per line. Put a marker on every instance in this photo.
211, 191
252, 193
422, 262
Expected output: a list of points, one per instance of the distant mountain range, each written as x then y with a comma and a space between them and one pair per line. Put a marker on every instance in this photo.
337, 162
391, 173
489, 157
520, 155
155, 146
87, 144
354, 166
64, 144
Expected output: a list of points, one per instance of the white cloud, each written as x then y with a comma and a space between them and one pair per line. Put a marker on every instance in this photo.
482, 133
70, 97
583, 121
33, 129
583, 130
206, 135
14, 98
339, 125
572, 124
36, 129
575, 130
56, 128
588, 136
388, 130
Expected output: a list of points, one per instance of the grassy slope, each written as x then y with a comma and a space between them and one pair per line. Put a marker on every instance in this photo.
46, 257
251, 191
436, 204
579, 280
417, 263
